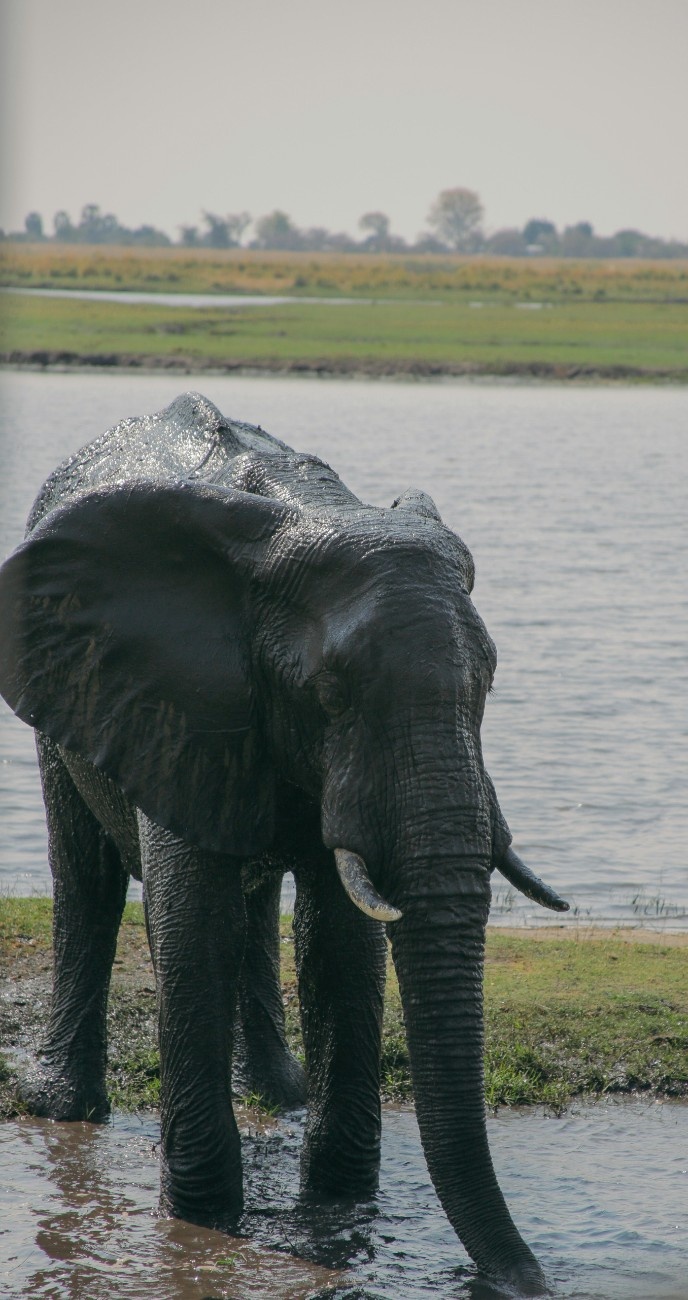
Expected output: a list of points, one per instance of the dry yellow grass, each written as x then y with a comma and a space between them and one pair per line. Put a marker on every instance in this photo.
333, 274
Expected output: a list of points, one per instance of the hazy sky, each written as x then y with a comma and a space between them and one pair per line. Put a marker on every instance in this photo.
155, 109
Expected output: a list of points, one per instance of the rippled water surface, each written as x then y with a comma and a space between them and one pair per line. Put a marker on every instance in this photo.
573, 501
601, 1194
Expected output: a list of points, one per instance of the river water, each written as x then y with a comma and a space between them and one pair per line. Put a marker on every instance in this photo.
133, 298
601, 1195
573, 501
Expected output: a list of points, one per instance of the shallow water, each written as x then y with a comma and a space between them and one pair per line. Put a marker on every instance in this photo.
601, 1195
132, 298
573, 501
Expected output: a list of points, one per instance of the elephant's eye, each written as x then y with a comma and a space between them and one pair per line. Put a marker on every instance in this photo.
332, 695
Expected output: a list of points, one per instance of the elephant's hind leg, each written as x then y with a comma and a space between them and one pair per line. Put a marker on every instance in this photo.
196, 928
89, 886
263, 1062
341, 959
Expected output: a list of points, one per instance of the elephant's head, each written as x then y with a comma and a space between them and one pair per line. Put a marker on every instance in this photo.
200, 644
385, 678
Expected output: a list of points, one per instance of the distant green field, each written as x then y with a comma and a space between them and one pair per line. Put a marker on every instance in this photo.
457, 334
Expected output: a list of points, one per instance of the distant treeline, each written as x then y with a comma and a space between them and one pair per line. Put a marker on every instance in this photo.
455, 222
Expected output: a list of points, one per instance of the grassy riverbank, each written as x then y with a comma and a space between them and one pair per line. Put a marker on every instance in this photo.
385, 315
568, 340
566, 1016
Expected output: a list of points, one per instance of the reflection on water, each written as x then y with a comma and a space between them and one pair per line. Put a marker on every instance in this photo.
78, 1222
601, 1195
573, 503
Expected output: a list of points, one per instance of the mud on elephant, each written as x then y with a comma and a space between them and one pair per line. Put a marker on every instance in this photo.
235, 668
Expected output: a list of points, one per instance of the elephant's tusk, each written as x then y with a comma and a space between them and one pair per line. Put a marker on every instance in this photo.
357, 883
529, 884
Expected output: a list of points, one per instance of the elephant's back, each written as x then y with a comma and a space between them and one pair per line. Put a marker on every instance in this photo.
190, 439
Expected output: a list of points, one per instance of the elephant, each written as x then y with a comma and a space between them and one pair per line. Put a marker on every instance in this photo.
235, 668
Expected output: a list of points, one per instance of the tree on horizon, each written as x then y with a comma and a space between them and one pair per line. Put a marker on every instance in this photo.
456, 217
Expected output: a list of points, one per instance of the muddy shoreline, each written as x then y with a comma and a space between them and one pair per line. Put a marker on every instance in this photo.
604, 1012
334, 368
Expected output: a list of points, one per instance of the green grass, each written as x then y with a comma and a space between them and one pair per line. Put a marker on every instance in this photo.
564, 1017
646, 338
134, 1080
25, 918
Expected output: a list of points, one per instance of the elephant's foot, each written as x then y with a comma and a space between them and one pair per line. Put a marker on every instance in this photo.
339, 1165
219, 1218
214, 1201
280, 1083
58, 1094
339, 1182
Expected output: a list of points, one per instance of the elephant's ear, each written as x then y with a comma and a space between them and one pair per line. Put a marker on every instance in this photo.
125, 635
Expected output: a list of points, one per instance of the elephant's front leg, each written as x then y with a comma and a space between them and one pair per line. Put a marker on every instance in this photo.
196, 928
341, 959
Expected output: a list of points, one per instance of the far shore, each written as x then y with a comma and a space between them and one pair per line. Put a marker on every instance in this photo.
57, 360
345, 316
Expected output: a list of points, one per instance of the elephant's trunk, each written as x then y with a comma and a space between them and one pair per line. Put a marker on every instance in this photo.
438, 948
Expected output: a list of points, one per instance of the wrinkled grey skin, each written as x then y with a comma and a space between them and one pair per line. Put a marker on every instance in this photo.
235, 667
